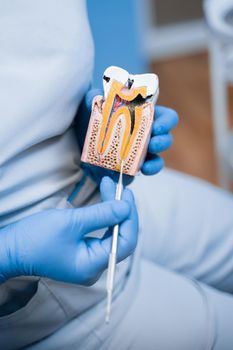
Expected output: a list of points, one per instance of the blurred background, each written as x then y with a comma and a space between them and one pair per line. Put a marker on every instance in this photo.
189, 44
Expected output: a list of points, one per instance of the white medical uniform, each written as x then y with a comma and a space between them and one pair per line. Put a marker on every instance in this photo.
46, 59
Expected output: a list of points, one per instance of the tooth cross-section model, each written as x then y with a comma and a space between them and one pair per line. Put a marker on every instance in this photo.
121, 121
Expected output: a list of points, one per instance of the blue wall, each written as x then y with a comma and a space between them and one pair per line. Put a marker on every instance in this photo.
117, 32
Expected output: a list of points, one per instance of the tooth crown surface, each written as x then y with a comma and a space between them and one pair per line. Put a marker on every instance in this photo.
120, 128
149, 80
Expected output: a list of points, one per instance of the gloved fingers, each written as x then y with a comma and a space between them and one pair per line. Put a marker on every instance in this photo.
93, 279
99, 249
107, 189
128, 196
108, 186
165, 120
95, 217
160, 143
128, 234
161, 139
128, 231
98, 255
152, 165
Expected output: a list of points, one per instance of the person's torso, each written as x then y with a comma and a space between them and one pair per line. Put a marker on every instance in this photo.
46, 61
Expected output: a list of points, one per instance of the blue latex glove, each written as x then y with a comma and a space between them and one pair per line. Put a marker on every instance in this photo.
161, 139
52, 243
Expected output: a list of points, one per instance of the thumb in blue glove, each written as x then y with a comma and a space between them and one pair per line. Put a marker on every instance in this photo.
53, 243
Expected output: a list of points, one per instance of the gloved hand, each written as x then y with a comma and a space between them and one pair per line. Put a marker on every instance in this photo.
52, 243
161, 139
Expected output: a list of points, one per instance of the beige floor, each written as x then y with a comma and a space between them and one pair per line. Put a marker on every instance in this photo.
184, 86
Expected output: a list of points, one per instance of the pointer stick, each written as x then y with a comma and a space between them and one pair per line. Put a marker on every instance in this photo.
113, 253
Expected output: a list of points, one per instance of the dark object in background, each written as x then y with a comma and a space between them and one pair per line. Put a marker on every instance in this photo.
173, 11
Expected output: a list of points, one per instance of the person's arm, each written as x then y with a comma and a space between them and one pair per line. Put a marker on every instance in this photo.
161, 139
53, 243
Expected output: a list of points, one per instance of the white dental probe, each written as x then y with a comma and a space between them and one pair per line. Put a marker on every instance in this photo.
113, 253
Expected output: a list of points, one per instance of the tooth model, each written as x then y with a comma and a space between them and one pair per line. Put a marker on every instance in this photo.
121, 121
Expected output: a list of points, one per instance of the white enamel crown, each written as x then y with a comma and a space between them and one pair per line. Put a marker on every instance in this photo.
150, 80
